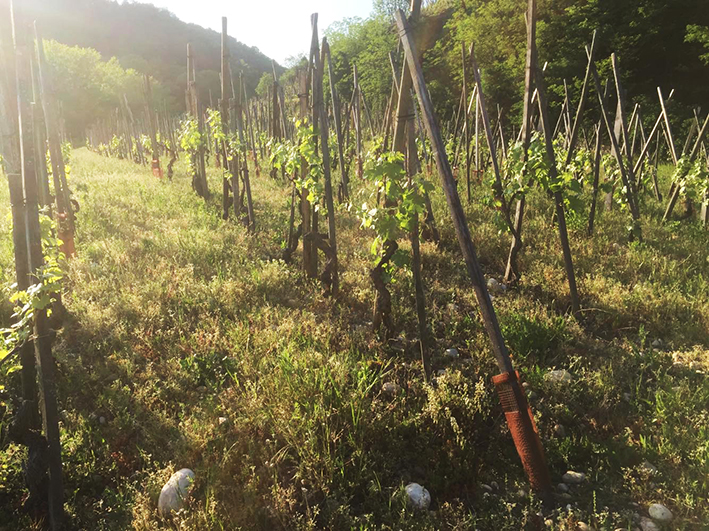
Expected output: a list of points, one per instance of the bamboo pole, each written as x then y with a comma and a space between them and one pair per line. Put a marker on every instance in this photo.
512, 272
528, 443
344, 181
597, 161
42, 336
332, 265
692, 157
558, 198
150, 111
65, 213
230, 166
635, 213
245, 165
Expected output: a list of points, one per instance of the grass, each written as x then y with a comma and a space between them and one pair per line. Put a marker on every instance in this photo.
179, 320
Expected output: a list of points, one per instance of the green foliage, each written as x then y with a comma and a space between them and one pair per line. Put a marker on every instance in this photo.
302, 153
403, 198
518, 174
264, 84
699, 35
90, 88
149, 40
191, 140
365, 43
692, 178
39, 296
312, 181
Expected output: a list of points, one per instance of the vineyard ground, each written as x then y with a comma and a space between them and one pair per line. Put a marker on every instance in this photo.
189, 344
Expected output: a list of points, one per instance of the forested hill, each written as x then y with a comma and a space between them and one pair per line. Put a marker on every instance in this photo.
149, 39
657, 43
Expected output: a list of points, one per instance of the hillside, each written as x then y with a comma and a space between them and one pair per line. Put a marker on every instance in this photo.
148, 39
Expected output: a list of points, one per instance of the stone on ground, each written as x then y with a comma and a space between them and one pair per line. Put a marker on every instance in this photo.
660, 513
418, 497
573, 478
175, 492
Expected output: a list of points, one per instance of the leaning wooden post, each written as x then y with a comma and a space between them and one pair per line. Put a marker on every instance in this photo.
358, 121
597, 162
684, 170
558, 198
309, 264
245, 164
404, 121
332, 265
40, 141
635, 213
511, 271
344, 181
670, 140
489, 133
28, 416
230, 166
250, 125
148, 91
517, 411
191, 100
465, 123
42, 333
65, 214
623, 124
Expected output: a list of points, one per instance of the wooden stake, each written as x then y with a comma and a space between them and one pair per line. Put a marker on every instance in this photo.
558, 198
344, 181
468, 249
43, 339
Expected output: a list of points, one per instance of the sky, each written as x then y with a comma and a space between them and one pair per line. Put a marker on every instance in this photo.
279, 28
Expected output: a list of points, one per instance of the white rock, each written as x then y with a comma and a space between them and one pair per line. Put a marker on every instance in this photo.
486, 488
648, 467
660, 513
418, 497
102, 420
573, 478
648, 525
494, 485
441, 372
559, 376
222, 420
559, 430
175, 491
657, 343
562, 487
492, 284
627, 397
390, 388
503, 287
452, 353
